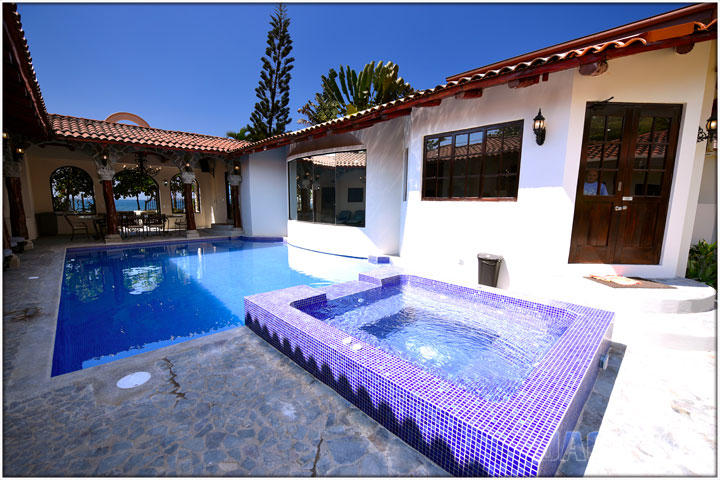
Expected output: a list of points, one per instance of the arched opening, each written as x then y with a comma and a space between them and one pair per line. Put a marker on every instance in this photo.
134, 191
72, 190
177, 199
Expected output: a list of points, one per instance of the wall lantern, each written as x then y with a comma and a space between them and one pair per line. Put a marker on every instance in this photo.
18, 154
165, 183
710, 126
539, 128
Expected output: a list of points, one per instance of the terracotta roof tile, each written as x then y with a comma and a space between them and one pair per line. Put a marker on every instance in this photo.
88, 129
11, 19
450, 88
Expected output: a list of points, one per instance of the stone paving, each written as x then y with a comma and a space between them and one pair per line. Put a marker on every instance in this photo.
235, 407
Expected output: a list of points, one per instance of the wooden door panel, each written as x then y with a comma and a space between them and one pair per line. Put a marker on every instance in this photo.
624, 182
599, 216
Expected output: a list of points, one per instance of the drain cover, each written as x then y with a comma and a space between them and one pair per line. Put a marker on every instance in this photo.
133, 380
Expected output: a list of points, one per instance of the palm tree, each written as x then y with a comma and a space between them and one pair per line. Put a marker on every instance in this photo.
374, 85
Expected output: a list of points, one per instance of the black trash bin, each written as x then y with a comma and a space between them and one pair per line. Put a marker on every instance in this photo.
488, 269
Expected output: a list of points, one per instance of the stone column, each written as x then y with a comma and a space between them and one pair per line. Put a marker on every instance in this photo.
234, 181
106, 174
12, 170
188, 178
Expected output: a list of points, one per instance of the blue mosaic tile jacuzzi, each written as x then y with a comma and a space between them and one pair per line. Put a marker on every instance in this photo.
482, 383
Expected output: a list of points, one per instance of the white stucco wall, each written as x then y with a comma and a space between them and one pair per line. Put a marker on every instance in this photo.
533, 234
263, 193
706, 217
384, 143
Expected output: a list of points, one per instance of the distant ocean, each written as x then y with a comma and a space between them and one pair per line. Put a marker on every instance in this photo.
130, 204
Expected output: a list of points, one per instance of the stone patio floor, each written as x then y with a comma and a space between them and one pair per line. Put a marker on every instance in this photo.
228, 404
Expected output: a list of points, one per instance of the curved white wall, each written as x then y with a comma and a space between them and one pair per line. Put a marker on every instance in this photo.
384, 143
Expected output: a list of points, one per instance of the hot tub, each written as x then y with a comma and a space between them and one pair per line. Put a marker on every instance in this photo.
480, 382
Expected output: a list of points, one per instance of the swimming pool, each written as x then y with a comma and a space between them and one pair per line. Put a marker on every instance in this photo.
507, 430
117, 302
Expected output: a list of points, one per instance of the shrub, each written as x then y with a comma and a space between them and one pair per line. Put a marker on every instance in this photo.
702, 263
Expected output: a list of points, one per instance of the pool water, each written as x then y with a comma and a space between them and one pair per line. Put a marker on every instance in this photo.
119, 302
489, 350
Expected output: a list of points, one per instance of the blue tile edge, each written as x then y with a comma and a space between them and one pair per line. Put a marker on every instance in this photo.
174, 242
468, 435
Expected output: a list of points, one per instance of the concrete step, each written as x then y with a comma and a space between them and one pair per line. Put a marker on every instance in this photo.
688, 296
222, 226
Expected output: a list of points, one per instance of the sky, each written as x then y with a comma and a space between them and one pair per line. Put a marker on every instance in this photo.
194, 68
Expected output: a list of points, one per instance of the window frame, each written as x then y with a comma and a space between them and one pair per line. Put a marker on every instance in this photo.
453, 133
71, 210
196, 184
309, 156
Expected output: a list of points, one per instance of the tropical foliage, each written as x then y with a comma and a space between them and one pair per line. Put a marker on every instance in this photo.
241, 134
131, 183
323, 109
72, 190
374, 85
271, 114
702, 263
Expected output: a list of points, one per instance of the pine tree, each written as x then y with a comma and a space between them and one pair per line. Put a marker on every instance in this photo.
271, 114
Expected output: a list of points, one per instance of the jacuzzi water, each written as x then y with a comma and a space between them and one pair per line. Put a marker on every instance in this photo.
489, 350
117, 302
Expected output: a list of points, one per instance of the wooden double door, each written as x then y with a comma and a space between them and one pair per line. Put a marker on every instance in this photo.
626, 169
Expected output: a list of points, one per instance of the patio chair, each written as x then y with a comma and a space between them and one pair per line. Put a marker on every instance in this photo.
343, 216
154, 222
130, 223
180, 224
358, 218
76, 226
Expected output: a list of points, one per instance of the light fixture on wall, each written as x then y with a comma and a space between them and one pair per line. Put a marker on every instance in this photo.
165, 183
18, 154
710, 126
539, 128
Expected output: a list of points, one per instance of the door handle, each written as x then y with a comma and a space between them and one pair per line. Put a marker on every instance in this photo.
619, 209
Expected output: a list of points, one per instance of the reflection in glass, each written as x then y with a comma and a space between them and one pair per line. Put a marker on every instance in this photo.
593, 185
610, 157
330, 188
597, 128
490, 187
461, 144
458, 187
654, 183
644, 128
657, 157
474, 165
445, 148
459, 166
476, 142
473, 187
443, 167
660, 129
443, 187
614, 129
607, 182
638, 183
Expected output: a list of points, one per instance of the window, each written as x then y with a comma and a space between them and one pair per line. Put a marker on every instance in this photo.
481, 163
134, 190
177, 195
328, 188
72, 190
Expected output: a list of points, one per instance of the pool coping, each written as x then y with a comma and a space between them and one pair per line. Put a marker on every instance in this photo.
480, 437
